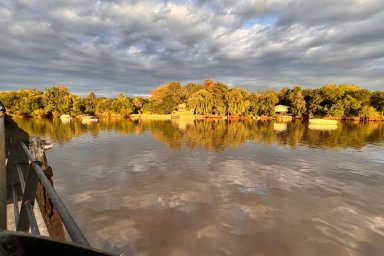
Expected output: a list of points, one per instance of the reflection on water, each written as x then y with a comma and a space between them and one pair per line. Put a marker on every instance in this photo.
217, 135
220, 187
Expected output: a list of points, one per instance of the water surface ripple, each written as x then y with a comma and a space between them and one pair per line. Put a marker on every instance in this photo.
221, 188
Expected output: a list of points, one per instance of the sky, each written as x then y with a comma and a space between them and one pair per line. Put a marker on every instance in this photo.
131, 47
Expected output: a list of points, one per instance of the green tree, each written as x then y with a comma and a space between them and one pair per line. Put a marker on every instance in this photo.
165, 98
23, 102
175, 92
283, 96
220, 105
336, 110
90, 103
104, 107
370, 113
268, 101
363, 96
138, 104
377, 101
314, 100
296, 101
237, 100
254, 103
339, 101
201, 102
123, 105
351, 106
77, 105
209, 85
57, 101
189, 90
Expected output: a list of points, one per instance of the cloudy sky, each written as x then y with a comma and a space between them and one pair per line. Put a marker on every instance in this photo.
113, 46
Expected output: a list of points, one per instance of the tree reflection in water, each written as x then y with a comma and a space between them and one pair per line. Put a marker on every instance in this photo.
215, 135
138, 196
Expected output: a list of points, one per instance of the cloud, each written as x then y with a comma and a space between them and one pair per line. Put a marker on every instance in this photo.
133, 46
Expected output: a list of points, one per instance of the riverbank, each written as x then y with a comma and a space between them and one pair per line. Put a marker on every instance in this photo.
210, 117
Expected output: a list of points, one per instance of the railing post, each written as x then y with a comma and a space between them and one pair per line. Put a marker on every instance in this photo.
49, 213
22, 172
16, 160
3, 184
25, 221
73, 230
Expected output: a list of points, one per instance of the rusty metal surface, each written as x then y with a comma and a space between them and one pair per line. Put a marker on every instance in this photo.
50, 215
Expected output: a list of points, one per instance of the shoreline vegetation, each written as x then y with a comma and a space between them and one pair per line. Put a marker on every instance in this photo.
208, 100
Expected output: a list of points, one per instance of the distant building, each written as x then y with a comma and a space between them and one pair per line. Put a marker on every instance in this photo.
281, 109
182, 107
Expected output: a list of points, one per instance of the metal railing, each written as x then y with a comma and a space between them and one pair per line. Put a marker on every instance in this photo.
3, 186
20, 173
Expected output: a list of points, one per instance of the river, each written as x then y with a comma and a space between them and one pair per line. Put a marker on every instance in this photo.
185, 187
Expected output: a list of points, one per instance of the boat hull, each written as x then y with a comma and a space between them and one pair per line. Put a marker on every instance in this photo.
323, 121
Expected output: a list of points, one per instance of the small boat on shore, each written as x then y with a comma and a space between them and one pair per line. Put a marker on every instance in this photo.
89, 119
65, 117
46, 144
323, 121
323, 127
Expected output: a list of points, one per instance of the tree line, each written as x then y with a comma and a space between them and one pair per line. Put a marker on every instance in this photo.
208, 98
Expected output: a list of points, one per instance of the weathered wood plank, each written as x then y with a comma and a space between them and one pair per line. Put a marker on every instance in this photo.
50, 215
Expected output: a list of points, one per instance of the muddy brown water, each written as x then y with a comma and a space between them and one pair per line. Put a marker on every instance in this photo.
185, 187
